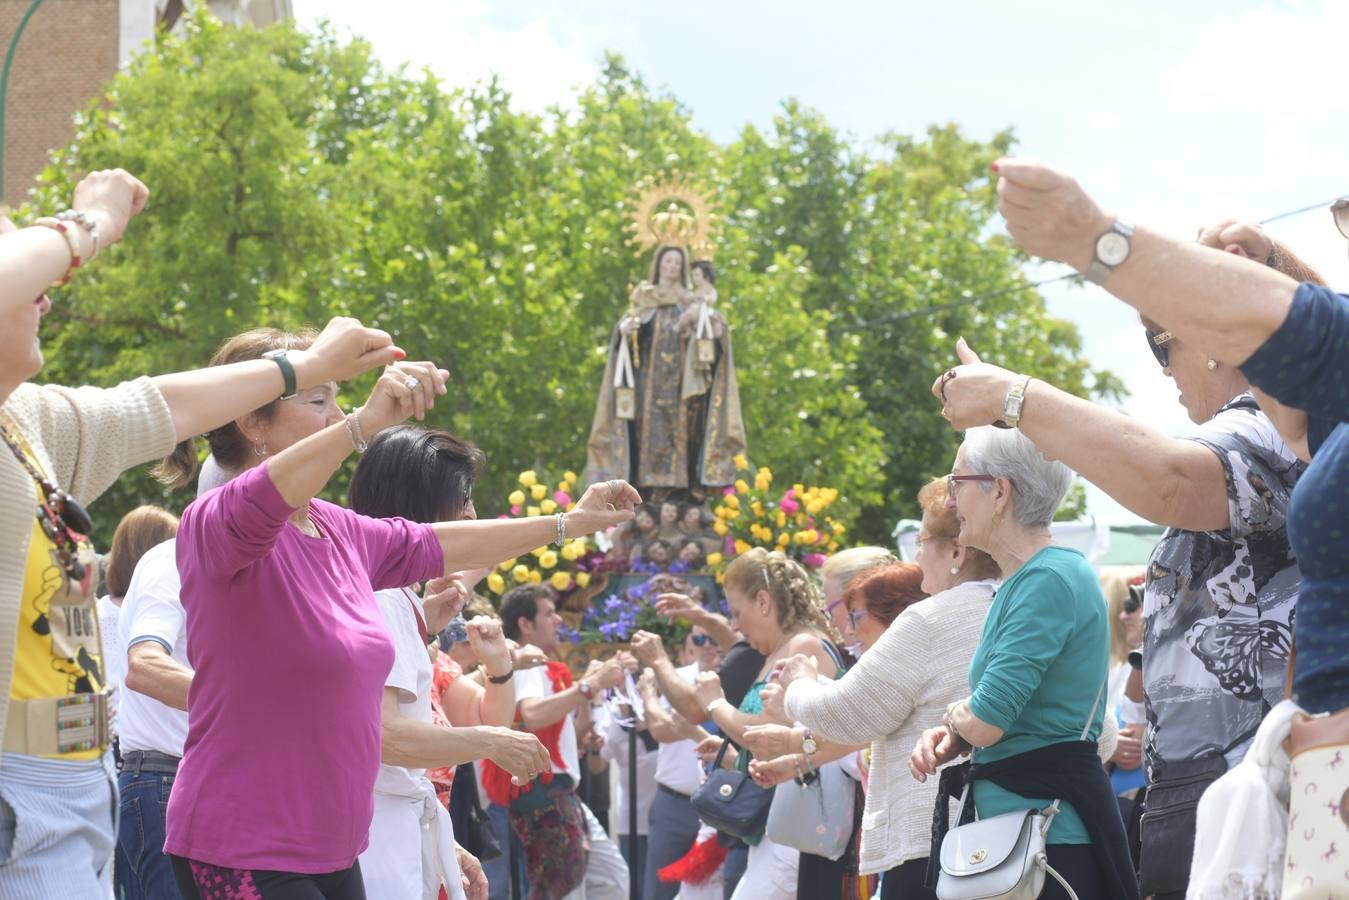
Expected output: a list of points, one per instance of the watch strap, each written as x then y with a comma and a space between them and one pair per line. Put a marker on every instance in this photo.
1015, 401
287, 372
499, 679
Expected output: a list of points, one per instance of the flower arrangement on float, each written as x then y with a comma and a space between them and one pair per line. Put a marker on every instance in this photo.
794, 521
618, 616
564, 569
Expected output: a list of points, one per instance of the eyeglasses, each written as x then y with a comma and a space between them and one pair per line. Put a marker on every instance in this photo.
855, 618
1340, 210
700, 640
1157, 341
953, 480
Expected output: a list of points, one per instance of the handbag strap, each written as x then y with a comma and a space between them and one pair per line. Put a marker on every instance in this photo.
721, 754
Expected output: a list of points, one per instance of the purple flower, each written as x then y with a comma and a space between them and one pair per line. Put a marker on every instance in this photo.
570, 634
725, 608
608, 630
680, 567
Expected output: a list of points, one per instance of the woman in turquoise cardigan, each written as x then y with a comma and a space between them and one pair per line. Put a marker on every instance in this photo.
1037, 677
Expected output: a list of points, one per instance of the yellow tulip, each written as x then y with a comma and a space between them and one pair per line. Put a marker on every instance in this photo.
798, 490
758, 509
714, 559
569, 475
740, 461
838, 528
582, 579
782, 519
761, 483
548, 507
538, 491
560, 581
507, 565
528, 479
741, 547
520, 573
564, 487
814, 507
720, 528
496, 584
538, 552
833, 546
517, 498
549, 559
531, 510
535, 577
741, 487
732, 502
568, 552
784, 539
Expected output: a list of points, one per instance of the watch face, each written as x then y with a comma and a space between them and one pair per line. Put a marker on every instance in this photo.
1112, 248
808, 745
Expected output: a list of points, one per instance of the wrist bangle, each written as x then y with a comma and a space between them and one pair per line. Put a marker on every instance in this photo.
561, 520
498, 679
353, 421
69, 235
715, 705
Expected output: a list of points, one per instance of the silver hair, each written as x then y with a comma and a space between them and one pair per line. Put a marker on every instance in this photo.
212, 476
1038, 484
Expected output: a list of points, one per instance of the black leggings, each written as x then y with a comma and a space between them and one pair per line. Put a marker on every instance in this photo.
203, 881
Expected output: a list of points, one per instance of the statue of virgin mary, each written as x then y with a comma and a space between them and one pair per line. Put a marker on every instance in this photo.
668, 417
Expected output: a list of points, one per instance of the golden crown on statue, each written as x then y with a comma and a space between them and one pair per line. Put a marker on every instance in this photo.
674, 211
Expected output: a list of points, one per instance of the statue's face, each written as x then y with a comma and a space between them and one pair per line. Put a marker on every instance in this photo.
691, 552
643, 520
671, 261
693, 517
669, 513
658, 553
698, 279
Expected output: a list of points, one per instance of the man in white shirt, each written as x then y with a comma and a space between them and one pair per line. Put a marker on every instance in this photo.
152, 718
673, 825
550, 820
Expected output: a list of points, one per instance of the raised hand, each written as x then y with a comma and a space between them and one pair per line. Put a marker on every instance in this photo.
602, 506
771, 772
774, 698
647, 647
772, 741
1048, 213
935, 747
518, 752
405, 389
794, 667
1241, 238
489, 645
708, 688
442, 600
527, 656
710, 746
973, 392
112, 198
344, 349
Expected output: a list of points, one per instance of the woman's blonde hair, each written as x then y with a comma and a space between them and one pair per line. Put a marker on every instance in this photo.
142, 528
228, 445
794, 593
942, 524
846, 565
1115, 587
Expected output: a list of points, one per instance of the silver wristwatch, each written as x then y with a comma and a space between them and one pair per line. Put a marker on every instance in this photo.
1112, 249
808, 745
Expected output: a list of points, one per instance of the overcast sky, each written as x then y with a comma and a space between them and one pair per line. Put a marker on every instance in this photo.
1174, 114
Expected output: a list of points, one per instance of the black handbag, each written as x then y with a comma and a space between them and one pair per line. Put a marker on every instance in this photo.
473, 827
1168, 823
730, 801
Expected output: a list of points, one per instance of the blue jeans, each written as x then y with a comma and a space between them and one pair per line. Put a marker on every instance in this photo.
140, 837
497, 870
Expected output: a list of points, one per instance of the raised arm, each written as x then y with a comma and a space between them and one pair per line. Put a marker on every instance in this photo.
1170, 481
1219, 301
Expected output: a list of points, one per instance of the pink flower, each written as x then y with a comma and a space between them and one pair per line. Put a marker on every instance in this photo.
728, 490
814, 560
562, 499
730, 546
788, 503
515, 511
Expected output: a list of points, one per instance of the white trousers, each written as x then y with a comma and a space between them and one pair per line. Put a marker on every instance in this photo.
770, 873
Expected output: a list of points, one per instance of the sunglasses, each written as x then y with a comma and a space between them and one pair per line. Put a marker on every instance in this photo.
1157, 341
700, 640
953, 480
1134, 601
1340, 210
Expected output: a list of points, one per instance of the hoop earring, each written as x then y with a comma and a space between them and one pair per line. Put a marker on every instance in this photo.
1213, 365
260, 449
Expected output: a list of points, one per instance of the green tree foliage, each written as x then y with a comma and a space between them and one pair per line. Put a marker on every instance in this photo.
293, 178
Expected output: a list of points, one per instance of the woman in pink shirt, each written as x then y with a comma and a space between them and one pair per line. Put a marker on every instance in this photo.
274, 795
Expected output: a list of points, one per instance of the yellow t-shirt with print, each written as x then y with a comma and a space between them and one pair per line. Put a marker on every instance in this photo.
59, 652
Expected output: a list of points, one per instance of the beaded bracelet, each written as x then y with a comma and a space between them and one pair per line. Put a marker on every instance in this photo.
58, 225
83, 220
561, 520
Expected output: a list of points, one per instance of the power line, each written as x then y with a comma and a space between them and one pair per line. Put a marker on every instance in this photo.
900, 316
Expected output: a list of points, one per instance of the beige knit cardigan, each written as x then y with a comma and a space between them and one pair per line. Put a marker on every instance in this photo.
85, 438
899, 688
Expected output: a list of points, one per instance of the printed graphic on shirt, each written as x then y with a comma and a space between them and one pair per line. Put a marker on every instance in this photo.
1219, 606
58, 649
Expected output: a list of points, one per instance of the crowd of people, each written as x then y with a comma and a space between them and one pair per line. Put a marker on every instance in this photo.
278, 696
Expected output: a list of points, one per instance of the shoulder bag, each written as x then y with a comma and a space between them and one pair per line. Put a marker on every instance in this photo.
1002, 856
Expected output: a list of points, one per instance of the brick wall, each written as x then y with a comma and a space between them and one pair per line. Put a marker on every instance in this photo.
65, 56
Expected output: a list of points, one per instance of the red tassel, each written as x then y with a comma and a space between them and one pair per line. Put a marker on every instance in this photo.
696, 866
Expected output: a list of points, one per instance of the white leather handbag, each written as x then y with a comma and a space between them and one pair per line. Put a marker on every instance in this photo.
1001, 857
